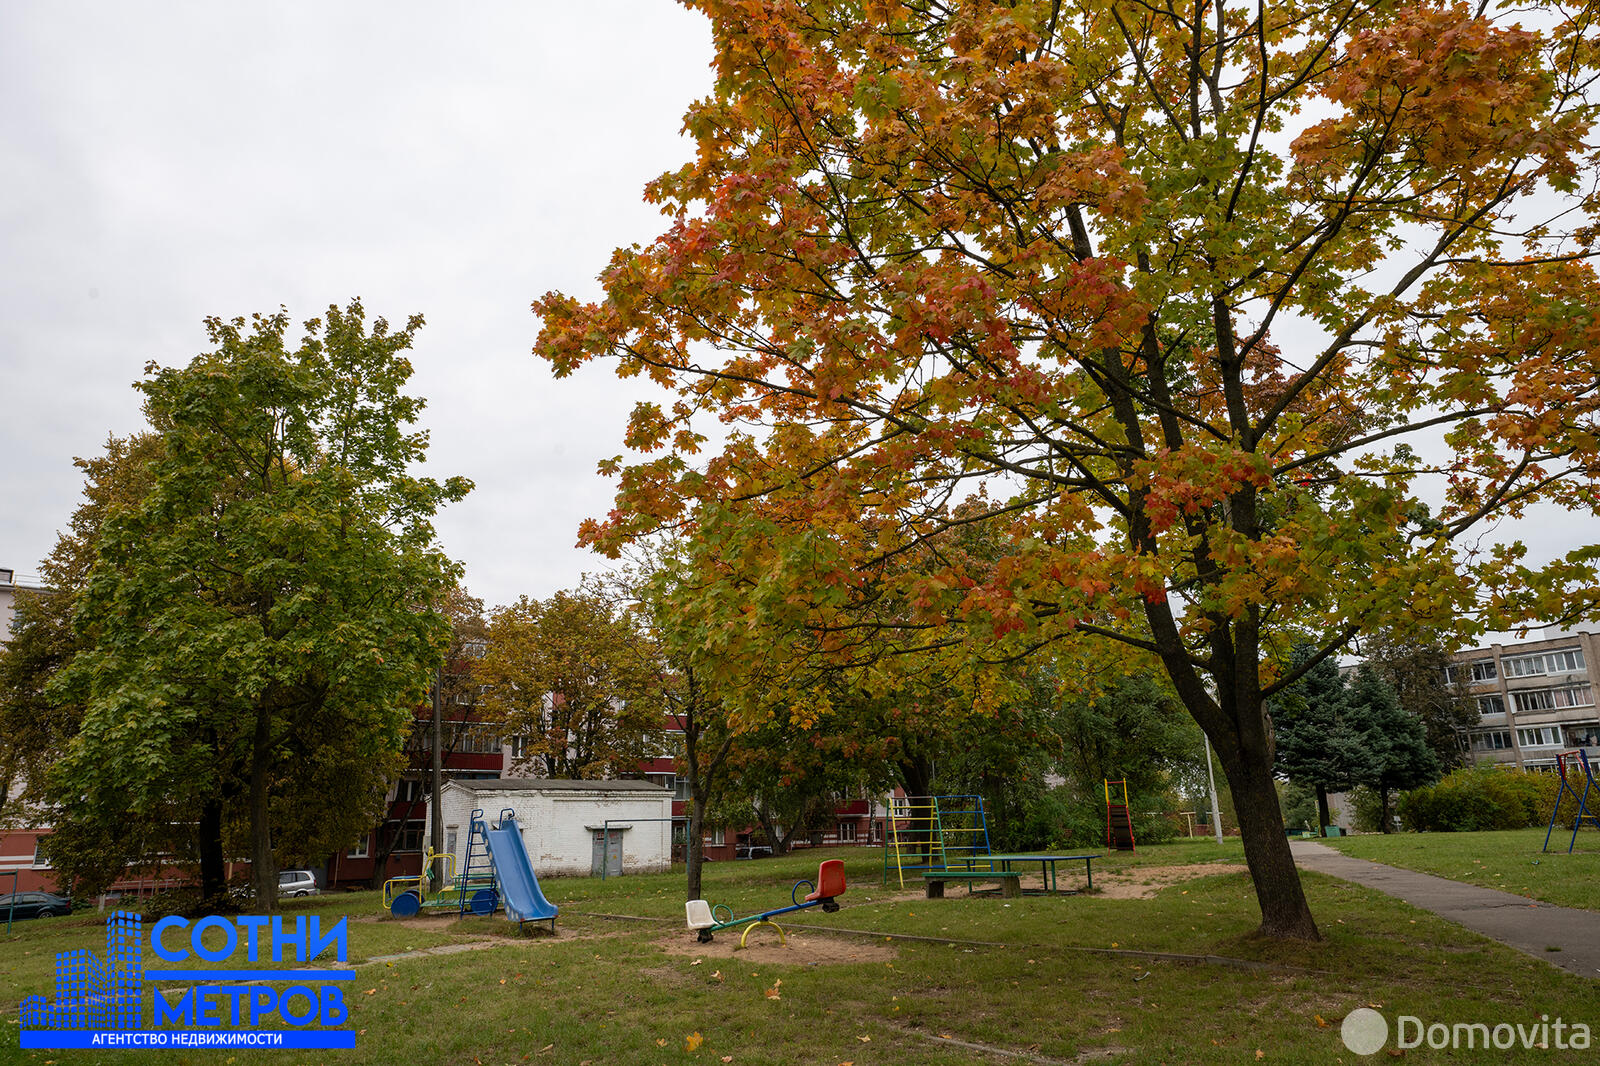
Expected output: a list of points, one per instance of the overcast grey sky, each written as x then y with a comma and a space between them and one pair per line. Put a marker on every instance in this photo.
164, 161
161, 161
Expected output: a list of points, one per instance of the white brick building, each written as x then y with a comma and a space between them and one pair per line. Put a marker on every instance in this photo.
562, 822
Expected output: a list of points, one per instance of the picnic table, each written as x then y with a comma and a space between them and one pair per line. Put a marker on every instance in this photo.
1047, 866
1001, 868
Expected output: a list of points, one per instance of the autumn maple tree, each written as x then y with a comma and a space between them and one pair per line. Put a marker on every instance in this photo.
575, 682
1248, 318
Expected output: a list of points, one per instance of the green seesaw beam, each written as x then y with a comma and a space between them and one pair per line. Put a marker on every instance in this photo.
706, 920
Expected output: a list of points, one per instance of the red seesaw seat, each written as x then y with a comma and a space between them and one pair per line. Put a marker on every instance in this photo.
830, 881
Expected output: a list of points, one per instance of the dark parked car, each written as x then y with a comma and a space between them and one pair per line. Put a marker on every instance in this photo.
34, 905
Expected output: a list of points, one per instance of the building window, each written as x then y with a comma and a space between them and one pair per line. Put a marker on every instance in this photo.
358, 850
666, 781
847, 832
409, 790
1541, 737
451, 836
1550, 699
717, 838
408, 835
1491, 706
1568, 661
1494, 740
479, 740
40, 860
519, 747
1477, 670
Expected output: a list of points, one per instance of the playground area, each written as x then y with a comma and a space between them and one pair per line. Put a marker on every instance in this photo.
1159, 964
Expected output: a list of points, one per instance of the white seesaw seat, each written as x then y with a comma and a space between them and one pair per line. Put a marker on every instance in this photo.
699, 912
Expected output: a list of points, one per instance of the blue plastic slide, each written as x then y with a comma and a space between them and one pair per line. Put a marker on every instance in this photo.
519, 885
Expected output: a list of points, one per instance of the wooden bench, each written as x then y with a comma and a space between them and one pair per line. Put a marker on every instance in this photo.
1010, 880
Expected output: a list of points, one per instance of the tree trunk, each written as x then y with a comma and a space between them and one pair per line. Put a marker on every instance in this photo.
213, 861
695, 846
769, 828
1236, 721
1385, 821
1284, 910
263, 866
1323, 818
916, 777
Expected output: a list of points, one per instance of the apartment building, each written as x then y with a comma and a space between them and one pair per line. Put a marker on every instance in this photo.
1535, 697
19, 842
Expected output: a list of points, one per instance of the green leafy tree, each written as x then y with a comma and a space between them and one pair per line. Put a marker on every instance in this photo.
1417, 670
1128, 728
266, 618
34, 730
1322, 737
1400, 757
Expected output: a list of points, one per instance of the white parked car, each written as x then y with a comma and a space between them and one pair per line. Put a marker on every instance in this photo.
296, 883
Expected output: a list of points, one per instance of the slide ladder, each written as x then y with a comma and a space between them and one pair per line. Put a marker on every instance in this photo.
1119, 822
1567, 788
477, 872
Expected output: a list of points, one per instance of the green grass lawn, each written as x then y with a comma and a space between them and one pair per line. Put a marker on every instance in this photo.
1073, 979
1509, 860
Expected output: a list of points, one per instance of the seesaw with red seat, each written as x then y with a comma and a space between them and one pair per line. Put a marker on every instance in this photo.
707, 919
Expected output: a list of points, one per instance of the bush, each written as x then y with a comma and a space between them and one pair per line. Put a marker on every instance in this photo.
1366, 808
1298, 804
1483, 797
1060, 818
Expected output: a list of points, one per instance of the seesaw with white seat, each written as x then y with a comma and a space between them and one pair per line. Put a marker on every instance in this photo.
706, 919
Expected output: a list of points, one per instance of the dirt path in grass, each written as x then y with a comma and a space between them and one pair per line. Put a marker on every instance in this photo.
801, 950
1142, 882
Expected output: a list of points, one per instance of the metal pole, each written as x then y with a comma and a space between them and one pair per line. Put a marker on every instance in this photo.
1211, 784
437, 836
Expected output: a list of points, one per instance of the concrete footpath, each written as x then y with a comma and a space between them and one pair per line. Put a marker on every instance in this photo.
1516, 921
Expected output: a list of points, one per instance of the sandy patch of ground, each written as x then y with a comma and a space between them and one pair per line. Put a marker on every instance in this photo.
1142, 882
801, 950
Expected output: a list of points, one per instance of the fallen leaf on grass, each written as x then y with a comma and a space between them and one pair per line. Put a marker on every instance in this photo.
1260, 1054
661, 1041
697, 962
1322, 1023
369, 991
864, 1038
693, 1041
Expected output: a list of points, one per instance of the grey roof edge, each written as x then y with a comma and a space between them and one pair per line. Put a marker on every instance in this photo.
550, 784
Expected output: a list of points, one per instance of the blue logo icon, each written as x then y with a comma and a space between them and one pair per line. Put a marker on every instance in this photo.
94, 993
99, 1001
